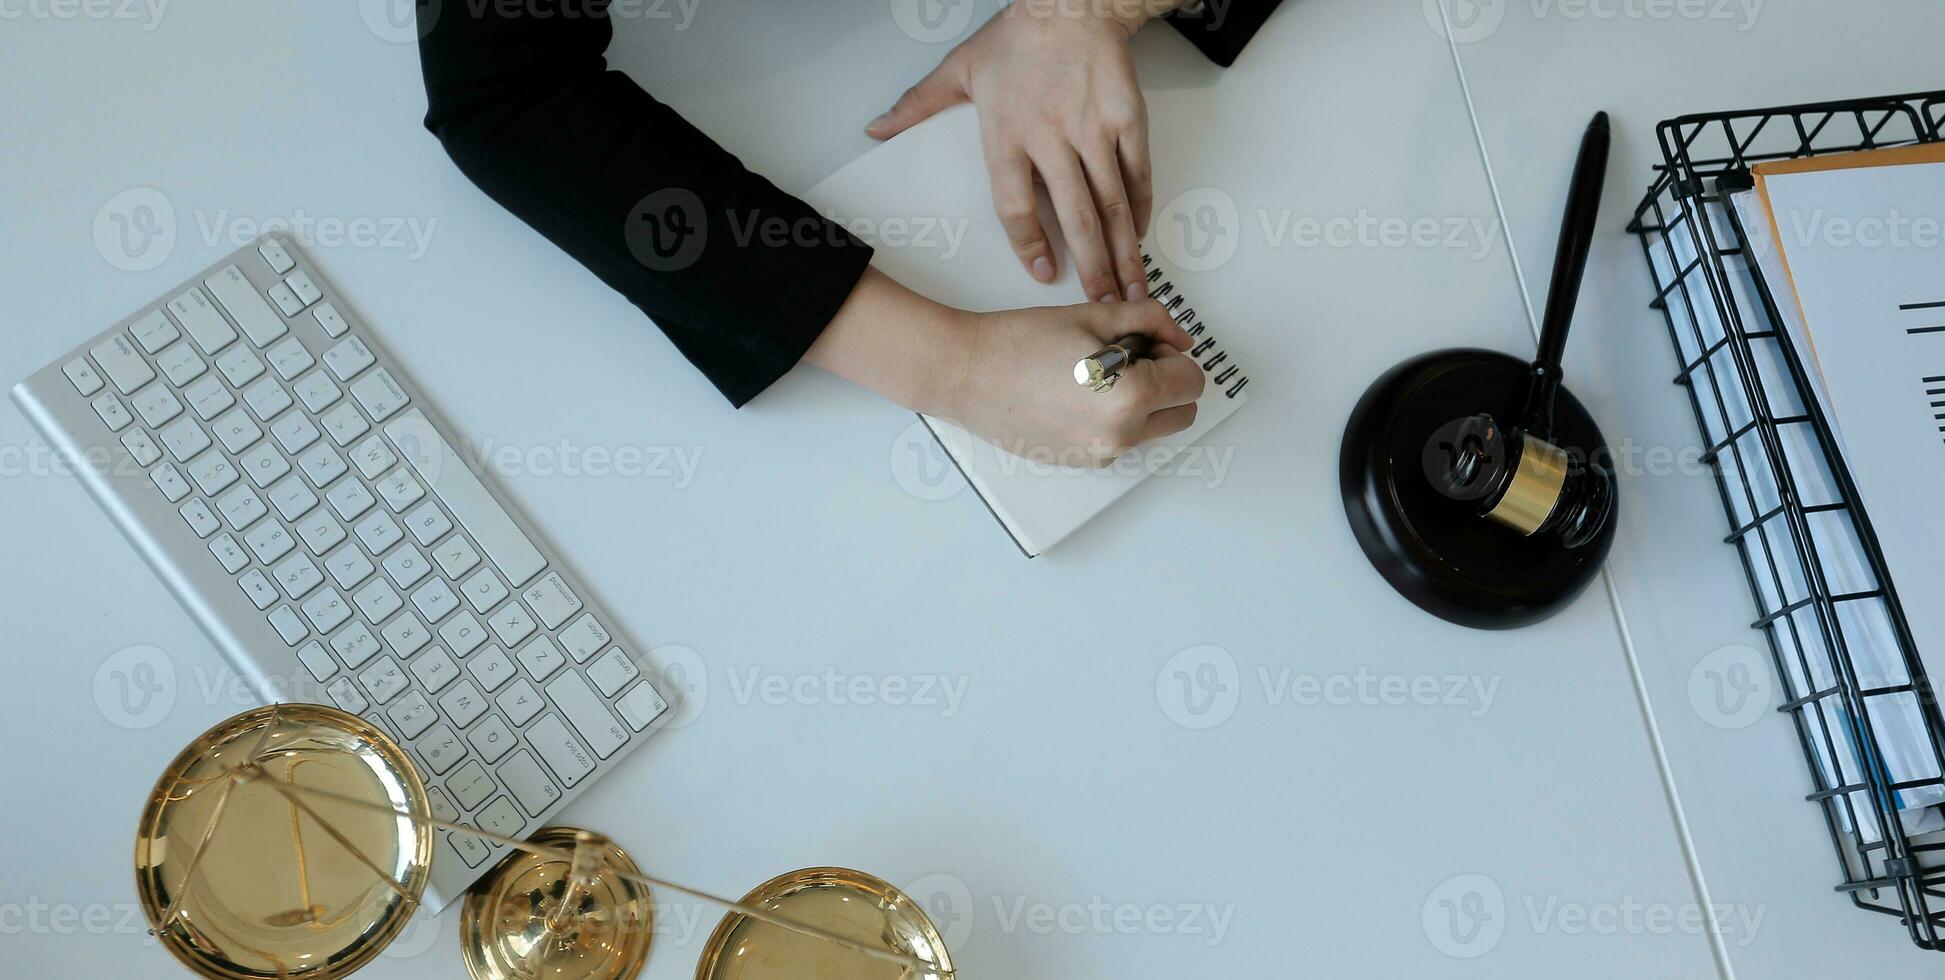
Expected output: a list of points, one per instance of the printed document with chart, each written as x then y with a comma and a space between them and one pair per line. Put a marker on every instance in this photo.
1864, 245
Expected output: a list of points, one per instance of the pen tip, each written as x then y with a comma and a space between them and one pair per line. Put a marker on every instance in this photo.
1600, 121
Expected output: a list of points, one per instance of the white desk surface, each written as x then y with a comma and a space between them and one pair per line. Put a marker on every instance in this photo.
1740, 775
1324, 835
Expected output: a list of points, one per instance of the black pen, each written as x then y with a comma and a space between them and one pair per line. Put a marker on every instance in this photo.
1100, 370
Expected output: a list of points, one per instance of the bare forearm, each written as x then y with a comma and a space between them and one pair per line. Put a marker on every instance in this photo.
895, 342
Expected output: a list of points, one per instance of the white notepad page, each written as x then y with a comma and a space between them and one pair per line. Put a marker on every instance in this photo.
923, 200
1865, 253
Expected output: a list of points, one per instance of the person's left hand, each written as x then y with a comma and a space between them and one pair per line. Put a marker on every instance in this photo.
1057, 99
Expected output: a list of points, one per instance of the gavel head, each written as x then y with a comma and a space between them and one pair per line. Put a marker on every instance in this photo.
1521, 481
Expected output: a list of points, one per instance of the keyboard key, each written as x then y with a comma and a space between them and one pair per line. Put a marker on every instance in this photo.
483, 590
229, 553
379, 394
266, 398
331, 320
434, 600
378, 532
263, 464
321, 465
406, 634
471, 786
584, 639
471, 505
169, 480
317, 392
586, 712
212, 472
349, 357
318, 662
239, 365
298, 575
156, 404
641, 706
442, 808
399, 489
289, 358
344, 424
327, 610
273, 252
492, 739
520, 702
318, 531
208, 397
285, 298
563, 753
470, 849
235, 430
184, 439
552, 601
541, 658
122, 364
268, 541
373, 456
245, 305
427, 523
205, 326
378, 600
288, 626
112, 414
356, 644
435, 670
441, 749
501, 818
153, 331
346, 695
528, 784
291, 497
463, 634
412, 714
612, 671
180, 364
511, 623
406, 565
348, 566
257, 586
349, 498
82, 376
140, 447
240, 506
383, 680
455, 555
200, 519
293, 431
306, 290
463, 704
491, 668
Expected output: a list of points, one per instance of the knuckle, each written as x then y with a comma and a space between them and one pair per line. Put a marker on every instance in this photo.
1014, 211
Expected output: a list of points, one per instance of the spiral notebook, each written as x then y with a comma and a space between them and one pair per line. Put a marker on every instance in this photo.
923, 201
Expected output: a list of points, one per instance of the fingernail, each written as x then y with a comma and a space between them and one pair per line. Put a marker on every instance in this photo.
1136, 291
878, 122
1043, 269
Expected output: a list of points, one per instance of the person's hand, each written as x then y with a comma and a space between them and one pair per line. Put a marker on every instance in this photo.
1008, 377
1057, 100
1017, 388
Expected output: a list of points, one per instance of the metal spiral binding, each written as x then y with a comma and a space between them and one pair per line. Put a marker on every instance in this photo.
1164, 292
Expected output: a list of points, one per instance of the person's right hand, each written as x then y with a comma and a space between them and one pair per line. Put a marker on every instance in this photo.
1017, 388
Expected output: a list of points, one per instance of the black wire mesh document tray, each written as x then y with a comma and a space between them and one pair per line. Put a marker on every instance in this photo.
1842, 646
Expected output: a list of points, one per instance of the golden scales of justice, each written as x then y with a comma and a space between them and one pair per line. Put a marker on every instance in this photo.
295, 840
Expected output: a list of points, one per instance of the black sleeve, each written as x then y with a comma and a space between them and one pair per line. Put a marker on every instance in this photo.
1221, 28
740, 275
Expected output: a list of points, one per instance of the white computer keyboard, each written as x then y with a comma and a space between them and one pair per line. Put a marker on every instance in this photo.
293, 487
